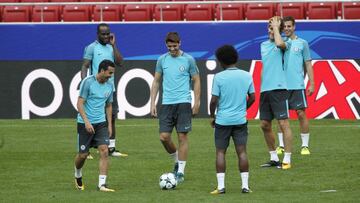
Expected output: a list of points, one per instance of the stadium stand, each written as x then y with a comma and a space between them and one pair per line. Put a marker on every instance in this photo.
169, 12
108, 13
143, 11
259, 11
125, 0
93, 0
138, 12
322, 10
9, 1
230, 12
16, 14
296, 10
199, 12
351, 10
63, 0
27, 1
46, 14
72, 13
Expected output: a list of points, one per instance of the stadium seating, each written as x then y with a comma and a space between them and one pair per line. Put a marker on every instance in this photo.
9, 1
30, 1
230, 11
169, 12
176, 12
109, 12
296, 10
259, 11
137, 12
73, 13
322, 10
16, 14
63, 0
351, 10
125, 0
199, 12
48, 13
93, 0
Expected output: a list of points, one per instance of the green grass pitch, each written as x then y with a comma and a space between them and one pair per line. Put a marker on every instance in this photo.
36, 165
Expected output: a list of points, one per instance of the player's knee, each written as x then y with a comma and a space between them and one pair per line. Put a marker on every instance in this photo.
83, 155
164, 138
103, 151
301, 114
265, 125
183, 139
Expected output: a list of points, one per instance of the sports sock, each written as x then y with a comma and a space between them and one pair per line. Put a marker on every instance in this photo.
305, 139
281, 139
273, 156
245, 179
174, 156
182, 165
221, 180
112, 143
287, 158
102, 180
78, 173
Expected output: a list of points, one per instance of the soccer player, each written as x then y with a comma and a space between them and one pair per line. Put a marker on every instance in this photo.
296, 58
104, 48
232, 93
95, 97
273, 97
177, 70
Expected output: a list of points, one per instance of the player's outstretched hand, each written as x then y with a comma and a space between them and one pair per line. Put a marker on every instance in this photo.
310, 90
212, 122
195, 110
153, 111
89, 128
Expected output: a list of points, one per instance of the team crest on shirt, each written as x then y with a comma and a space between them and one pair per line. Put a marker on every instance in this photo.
182, 68
296, 49
107, 94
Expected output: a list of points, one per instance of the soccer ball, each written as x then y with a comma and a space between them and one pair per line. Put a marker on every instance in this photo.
167, 181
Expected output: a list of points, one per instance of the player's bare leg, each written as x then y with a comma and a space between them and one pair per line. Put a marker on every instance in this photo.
304, 131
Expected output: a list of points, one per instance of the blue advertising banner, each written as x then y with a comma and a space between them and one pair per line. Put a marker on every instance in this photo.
145, 41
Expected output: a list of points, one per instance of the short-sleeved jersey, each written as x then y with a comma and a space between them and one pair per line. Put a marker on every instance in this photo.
273, 72
96, 95
96, 52
295, 58
232, 87
176, 73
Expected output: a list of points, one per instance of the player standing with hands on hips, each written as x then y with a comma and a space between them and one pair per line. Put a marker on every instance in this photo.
232, 93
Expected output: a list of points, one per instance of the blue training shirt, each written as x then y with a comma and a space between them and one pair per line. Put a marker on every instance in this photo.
176, 73
96, 52
273, 72
295, 58
232, 87
96, 95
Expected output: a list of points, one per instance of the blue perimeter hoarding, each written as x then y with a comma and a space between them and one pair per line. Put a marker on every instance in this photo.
145, 41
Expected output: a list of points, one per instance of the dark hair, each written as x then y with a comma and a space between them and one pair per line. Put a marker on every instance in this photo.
289, 18
104, 65
172, 37
227, 55
282, 25
101, 25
